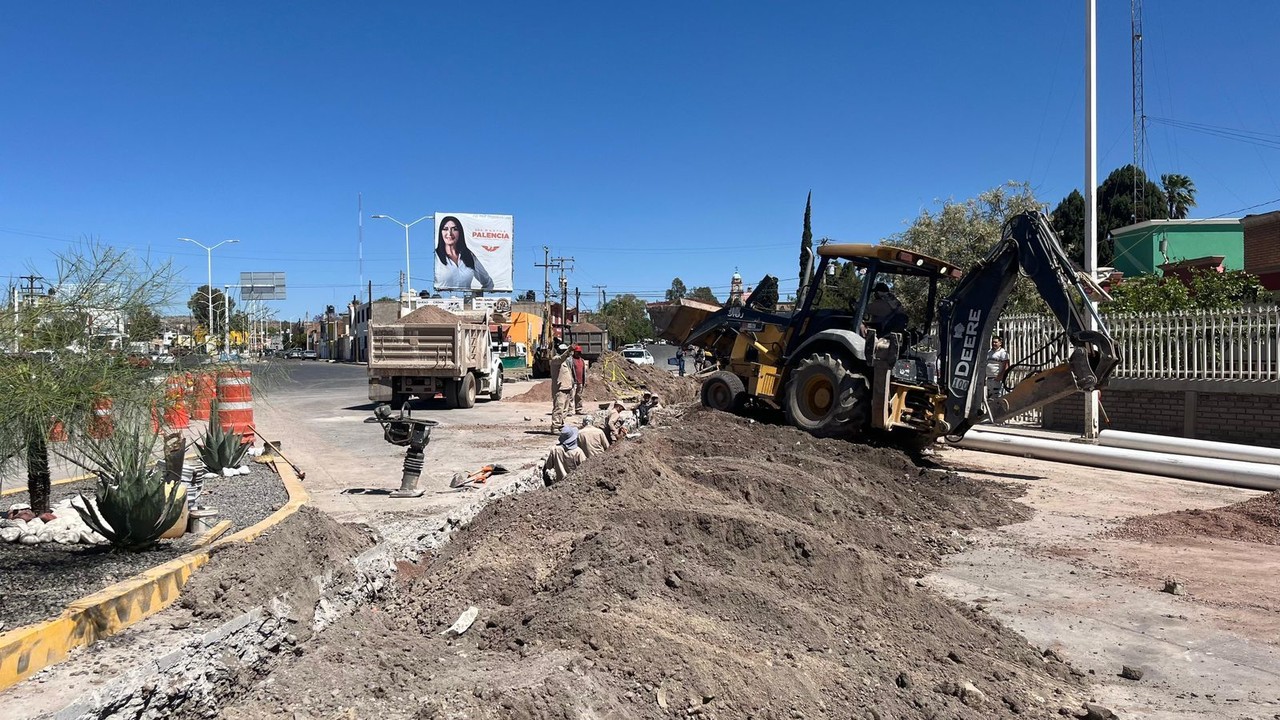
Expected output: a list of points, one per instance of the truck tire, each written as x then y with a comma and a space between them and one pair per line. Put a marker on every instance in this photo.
465, 392
825, 398
495, 392
449, 390
723, 391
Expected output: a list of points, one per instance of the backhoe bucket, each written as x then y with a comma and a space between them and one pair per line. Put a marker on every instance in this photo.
674, 321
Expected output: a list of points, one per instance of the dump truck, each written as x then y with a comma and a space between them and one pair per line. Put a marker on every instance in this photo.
431, 351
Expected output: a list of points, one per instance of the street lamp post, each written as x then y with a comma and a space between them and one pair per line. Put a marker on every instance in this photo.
209, 285
408, 282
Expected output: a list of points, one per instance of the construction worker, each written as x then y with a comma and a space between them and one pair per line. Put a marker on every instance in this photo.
613, 424
648, 403
561, 386
592, 439
564, 456
578, 369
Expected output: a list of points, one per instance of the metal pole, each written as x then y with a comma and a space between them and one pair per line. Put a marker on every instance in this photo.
408, 279
226, 320
208, 288
1090, 193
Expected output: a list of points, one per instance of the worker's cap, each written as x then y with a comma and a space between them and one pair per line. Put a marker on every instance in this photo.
577, 348
618, 403
646, 394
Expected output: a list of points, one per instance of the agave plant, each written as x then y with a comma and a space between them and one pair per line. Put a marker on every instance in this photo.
220, 449
133, 506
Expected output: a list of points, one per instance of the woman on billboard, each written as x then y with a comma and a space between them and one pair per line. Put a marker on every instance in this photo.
456, 266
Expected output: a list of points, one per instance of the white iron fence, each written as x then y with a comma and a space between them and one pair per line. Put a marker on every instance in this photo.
1240, 344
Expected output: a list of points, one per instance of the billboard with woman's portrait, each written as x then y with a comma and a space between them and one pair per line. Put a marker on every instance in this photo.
473, 252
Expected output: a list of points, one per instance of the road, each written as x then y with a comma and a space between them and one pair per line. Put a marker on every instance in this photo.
318, 409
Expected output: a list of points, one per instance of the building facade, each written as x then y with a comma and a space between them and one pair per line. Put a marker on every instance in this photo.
1142, 248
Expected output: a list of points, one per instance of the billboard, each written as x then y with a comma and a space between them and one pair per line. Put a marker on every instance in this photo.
262, 286
473, 252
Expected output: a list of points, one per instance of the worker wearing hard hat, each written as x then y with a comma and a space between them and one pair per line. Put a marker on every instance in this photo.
561, 386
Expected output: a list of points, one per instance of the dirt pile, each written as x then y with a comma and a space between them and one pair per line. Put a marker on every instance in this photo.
429, 314
1254, 520
614, 377
286, 559
717, 568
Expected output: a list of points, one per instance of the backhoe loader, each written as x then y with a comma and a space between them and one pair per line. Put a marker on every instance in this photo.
843, 373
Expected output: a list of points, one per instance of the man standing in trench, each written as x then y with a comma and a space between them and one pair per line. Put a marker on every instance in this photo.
561, 387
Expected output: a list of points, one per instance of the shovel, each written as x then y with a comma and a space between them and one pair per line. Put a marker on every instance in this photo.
463, 480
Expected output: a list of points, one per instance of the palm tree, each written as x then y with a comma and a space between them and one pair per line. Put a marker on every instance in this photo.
1180, 192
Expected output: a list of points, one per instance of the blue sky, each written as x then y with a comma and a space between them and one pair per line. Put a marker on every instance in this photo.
647, 141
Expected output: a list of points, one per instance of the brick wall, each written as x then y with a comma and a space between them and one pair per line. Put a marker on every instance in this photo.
1241, 417
1262, 247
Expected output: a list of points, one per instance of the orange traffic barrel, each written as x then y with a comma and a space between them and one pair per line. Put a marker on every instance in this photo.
175, 411
58, 432
101, 426
235, 403
202, 396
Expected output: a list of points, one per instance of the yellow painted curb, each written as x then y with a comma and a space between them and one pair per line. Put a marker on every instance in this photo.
23, 488
29, 649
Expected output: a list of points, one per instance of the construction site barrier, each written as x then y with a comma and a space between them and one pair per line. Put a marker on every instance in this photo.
235, 403
204, 391
101, 426
175, 410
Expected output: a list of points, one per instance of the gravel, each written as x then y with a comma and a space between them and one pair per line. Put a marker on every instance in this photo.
37, 582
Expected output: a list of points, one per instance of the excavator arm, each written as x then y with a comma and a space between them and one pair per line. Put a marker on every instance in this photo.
1028, 246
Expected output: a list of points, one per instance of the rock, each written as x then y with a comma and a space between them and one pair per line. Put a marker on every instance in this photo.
10, 534
66, 537
1173, 587
970, 694
1130, 673
1052, 654
673, 581
243, 470
13, 523
230, 472
955, 657
463, 623
1097, 712
662, 699
904, 681
29, 539
34, 525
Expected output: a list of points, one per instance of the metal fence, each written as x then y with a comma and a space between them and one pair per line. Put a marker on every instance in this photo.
1240, 344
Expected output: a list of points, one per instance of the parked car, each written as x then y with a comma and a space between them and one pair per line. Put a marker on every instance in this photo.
639, 356
310, 355
294, 354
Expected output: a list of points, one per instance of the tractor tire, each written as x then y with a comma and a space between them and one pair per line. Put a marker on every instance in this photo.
724, 391
827, 399
465, 392
495, 392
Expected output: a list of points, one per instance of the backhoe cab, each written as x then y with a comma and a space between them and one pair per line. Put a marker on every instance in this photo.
842, 372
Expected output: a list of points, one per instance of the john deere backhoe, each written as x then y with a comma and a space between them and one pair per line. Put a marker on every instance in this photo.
834, 373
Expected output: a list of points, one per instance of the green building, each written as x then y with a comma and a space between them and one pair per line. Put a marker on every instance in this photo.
1144, 247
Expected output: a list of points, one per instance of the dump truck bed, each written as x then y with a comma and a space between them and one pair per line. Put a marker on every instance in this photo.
434, 349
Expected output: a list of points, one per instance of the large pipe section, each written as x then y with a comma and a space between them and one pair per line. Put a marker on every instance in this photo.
1223, 472
1188, 446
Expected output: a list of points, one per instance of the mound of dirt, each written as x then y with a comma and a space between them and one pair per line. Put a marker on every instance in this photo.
286, 559
614, 377
715, 568
428, 314
1255, 520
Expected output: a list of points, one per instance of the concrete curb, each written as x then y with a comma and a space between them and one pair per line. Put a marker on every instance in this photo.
53, 484
26, 650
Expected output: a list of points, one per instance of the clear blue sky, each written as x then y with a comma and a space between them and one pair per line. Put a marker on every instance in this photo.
646, 140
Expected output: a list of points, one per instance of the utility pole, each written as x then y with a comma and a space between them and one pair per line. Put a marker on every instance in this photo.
545, 339
601, 289
577, 304
564, 289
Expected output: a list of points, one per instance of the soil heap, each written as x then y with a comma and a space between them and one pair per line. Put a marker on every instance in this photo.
1254, 520
428, 315
614, 376
717, 568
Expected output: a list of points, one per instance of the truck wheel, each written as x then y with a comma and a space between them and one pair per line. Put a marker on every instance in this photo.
495, 392
723, 391
825, 398
449, 389
465, 392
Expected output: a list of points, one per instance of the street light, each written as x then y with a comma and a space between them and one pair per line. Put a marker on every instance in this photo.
209, 286
407, 281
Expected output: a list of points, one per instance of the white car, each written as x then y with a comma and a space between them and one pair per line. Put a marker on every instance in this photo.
639, 356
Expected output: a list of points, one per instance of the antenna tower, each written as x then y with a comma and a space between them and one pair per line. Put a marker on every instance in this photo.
1139, 115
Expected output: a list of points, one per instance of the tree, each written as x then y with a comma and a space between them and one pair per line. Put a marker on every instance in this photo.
199, 307
143, 324
1208, 290
627, 318
703, 294
676, 291
1067, 220
806, 236
962, 233
39, 389
530, 296
840, 291
1116, 210
1179, 193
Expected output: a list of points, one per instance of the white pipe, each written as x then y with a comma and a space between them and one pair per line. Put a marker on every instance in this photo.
1188, 446
1223, 472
